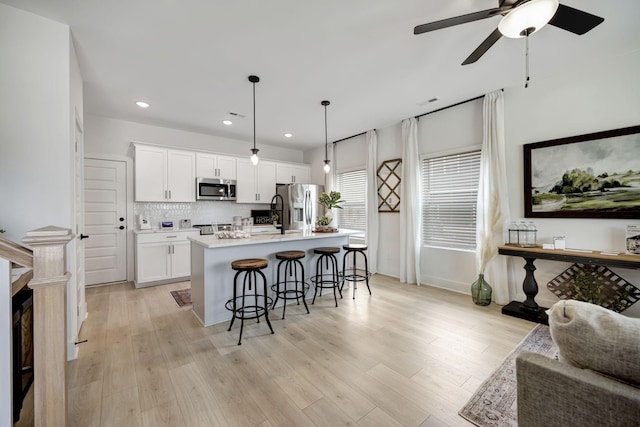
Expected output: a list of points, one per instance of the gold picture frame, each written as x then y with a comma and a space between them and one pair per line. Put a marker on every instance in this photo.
389, 185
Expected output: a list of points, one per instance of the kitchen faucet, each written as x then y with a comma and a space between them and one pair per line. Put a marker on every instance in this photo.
273, 206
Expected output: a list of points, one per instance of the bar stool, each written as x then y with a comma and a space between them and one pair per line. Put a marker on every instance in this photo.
352, 273
251, 304
287, 288
327, 274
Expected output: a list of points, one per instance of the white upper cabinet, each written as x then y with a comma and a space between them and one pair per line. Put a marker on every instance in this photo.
215, 166
255, 184
287, 173
164, 175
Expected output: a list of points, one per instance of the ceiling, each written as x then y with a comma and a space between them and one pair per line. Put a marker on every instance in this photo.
190, 60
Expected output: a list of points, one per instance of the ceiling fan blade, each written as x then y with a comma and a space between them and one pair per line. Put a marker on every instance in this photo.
463, 19
574, 20
484, 47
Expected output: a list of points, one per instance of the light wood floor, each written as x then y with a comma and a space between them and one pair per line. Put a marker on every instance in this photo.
407, 355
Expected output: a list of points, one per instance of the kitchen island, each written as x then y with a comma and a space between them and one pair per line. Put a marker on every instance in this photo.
212, 276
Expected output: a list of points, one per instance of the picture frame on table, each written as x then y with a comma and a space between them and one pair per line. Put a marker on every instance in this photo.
595, 175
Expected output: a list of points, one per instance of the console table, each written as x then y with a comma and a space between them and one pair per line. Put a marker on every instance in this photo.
529, 309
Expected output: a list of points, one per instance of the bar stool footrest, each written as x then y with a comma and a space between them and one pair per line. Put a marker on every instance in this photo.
299, 289
356, 275
248, 311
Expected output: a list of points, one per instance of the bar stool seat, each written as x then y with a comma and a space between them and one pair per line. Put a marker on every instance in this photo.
327, 275
294, 285
250, 304
353, 273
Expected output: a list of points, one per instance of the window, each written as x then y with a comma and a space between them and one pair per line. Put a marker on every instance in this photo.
449, 200
353, 189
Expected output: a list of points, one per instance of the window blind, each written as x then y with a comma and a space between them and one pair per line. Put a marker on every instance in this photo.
449, 200
353, 189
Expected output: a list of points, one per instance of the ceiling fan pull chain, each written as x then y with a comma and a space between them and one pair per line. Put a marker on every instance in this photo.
526, 56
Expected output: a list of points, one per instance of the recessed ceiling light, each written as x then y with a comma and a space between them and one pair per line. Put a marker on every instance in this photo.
288, 135
142, 104
227, 122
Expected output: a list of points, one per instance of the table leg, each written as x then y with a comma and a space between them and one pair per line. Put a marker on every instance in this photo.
529, 309
530, 286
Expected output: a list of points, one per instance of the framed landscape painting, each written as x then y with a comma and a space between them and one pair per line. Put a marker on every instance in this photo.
596, 175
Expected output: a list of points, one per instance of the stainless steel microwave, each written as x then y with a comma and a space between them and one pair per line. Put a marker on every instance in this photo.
215, 189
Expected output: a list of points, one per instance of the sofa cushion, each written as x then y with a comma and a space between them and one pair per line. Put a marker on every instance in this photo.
592, 337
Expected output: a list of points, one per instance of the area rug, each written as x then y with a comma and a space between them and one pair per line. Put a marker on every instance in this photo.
494, 403
182, 297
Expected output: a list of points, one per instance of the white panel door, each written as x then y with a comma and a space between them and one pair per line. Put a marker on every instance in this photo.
227, 167
150, 174
181, 176
153, 262
105, 212
266, 181
181, 259
78, 195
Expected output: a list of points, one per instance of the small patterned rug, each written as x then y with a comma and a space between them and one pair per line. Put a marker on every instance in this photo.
182, 297
494, 403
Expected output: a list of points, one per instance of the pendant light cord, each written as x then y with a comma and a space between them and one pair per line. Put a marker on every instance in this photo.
254, 115
325, 133
526, 56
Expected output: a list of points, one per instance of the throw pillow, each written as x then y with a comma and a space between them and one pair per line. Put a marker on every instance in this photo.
592, 337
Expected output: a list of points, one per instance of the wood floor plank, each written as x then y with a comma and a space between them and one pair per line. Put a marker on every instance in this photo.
195, 400
378, 418
324, 413
238, 407
121, 409
406, 355
85, 405
165, 415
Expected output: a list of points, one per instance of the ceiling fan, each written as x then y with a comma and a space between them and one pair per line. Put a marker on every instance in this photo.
520, 18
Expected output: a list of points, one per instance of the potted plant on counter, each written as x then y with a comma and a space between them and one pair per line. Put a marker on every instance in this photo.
329, 201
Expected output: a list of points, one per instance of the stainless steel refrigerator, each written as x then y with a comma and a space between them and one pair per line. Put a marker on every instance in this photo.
301, 206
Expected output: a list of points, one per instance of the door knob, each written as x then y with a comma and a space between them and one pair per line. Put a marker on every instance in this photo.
121, 227
121, 219
82, 236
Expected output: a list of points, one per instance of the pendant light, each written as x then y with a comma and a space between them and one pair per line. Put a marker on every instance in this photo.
327, 168
254, 150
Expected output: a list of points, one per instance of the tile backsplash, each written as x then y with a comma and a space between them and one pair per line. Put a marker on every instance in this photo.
203, 212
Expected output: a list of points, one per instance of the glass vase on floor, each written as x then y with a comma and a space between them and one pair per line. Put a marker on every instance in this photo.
481, 291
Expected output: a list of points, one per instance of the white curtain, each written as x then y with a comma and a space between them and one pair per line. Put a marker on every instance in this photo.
410, 223
493, 203
372, 201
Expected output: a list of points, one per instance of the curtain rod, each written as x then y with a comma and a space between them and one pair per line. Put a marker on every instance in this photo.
450, 106
454, 105
417, 117
349, 137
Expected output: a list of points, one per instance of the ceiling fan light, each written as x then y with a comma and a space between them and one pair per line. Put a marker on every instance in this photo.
531, 16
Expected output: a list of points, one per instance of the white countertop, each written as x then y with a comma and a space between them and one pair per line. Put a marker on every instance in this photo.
210, 241
171, 230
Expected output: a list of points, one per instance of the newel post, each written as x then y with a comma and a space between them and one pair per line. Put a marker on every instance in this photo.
49, 286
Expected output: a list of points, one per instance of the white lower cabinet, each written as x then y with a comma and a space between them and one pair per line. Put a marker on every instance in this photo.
163, 257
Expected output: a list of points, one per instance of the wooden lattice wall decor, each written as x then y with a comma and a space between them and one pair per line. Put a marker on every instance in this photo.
595, 284
389, 186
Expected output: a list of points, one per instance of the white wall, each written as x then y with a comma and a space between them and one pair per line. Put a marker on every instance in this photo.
604, 96
35, 165
41, 87
113, 137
